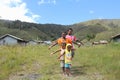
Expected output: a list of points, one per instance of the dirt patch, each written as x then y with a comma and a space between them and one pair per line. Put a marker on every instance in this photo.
27, 74
32, 76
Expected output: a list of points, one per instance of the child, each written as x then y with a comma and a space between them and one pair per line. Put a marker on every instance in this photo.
74, 40
62, 62
60, 41
68, 59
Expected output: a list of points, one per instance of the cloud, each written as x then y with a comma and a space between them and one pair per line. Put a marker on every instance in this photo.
47, 2
41, 2
91, 12
16, 10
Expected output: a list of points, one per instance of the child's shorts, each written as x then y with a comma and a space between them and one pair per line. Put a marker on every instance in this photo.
67, 65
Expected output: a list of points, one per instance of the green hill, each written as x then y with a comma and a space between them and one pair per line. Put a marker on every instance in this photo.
100, 28
29, 31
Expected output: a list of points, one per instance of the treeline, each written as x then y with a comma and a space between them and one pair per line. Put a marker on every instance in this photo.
93, 29
31, 30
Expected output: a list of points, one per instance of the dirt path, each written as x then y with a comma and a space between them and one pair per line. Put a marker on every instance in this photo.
35, 76
79, 73
95, 76
27, 74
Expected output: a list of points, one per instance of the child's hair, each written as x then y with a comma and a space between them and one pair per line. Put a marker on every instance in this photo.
68, 45
63, 44
70, 29
64, 32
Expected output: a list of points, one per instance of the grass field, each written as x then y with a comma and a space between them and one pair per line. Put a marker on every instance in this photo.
100, 62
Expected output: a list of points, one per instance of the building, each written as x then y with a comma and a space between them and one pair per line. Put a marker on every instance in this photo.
8, 39
116, 38
32, 42
35, 42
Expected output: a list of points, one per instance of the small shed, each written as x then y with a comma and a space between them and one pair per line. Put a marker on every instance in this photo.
116, 38
47, 42
8, 39
32, 42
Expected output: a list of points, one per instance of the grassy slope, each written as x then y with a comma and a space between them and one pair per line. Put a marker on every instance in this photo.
98, 27
110, 27
90, 63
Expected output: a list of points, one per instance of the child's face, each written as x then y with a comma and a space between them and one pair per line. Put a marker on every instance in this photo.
69, 47
63, 34
64, 45
70, 32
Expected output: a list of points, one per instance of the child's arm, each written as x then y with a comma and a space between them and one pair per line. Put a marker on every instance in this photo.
61, 55
79, 42
52, 45
69, 58
76, 43
55, 51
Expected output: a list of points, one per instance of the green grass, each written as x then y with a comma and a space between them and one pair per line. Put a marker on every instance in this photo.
104, 59
89, 63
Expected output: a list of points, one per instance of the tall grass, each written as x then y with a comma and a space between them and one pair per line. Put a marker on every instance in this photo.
101, 60
104, 59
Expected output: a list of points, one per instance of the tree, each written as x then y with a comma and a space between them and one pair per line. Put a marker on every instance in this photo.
90, 36
17, 24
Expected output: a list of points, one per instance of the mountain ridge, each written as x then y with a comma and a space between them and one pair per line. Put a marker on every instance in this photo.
34, 31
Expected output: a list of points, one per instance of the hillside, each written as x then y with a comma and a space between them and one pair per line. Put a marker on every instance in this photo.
101, 29
29, 31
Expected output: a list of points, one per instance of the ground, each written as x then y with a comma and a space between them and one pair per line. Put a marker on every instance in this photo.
78, 73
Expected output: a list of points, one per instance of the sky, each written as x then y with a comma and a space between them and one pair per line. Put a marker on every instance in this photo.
64, 12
